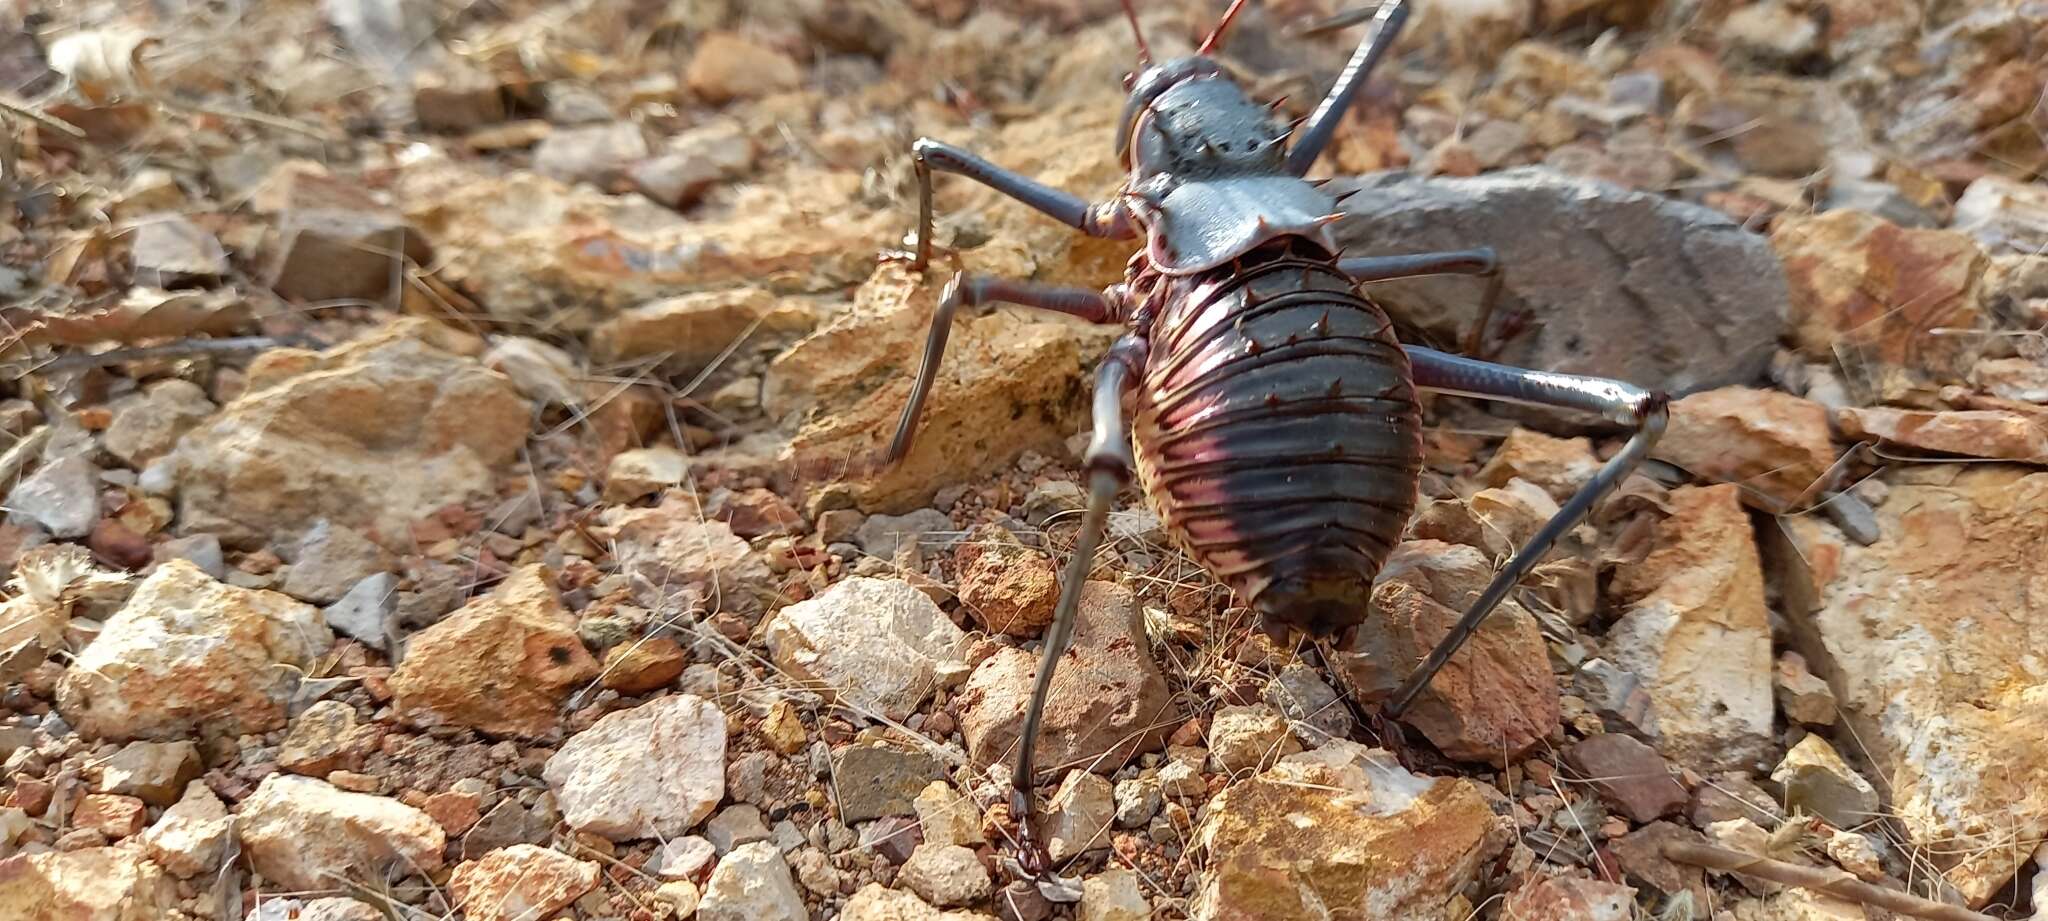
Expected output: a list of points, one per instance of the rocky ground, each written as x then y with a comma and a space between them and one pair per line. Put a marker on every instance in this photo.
441, 471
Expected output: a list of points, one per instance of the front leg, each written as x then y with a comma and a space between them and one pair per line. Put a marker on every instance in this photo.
1322, 123
1104, 219
1643, 410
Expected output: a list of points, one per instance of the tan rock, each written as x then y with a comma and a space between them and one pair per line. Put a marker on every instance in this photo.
519, 883
93, 884
784, 728
681, 895
1559, 465
642, 472
502, 664
876, 902
186, 652
1249, 739
692, 330
324, 739
1870, 294
154, 772
1345, 833
1818, 782
947, 816
340, 908
1078, 815
1803, 696
1799, 905
1109, 700
1697, 633
728, 67
644, 665
147, 426
2004, 214
752, 884
946, 875
1495, 699
1509, 515
1917, 634
301, 833
1991, 433
843, 387
537, 252
1774, 445
2021, 379
191, 837
1116, 894
318, 436
542, 372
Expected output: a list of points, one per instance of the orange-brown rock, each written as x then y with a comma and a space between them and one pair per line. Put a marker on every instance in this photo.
1496, 699
456, 812
502, 664
1570, 898
728, 67
1109, 701
109, 814
1343, 833
1696, 631
1926, 637
1773, 445
1870, 295
1993, 433
1005, 586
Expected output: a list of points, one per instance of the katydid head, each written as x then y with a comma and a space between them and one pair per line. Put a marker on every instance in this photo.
1189, 115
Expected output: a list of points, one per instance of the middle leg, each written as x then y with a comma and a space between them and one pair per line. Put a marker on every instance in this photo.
1482, 262
1643, 410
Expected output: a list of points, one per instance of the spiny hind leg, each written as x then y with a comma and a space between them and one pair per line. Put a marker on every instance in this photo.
1625, 404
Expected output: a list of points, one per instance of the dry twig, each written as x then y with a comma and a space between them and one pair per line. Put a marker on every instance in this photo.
1830, 881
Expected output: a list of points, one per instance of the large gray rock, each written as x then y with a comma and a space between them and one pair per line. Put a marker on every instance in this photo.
1599, 279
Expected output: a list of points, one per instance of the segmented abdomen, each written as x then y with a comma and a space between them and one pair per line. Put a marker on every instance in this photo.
1277, 433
